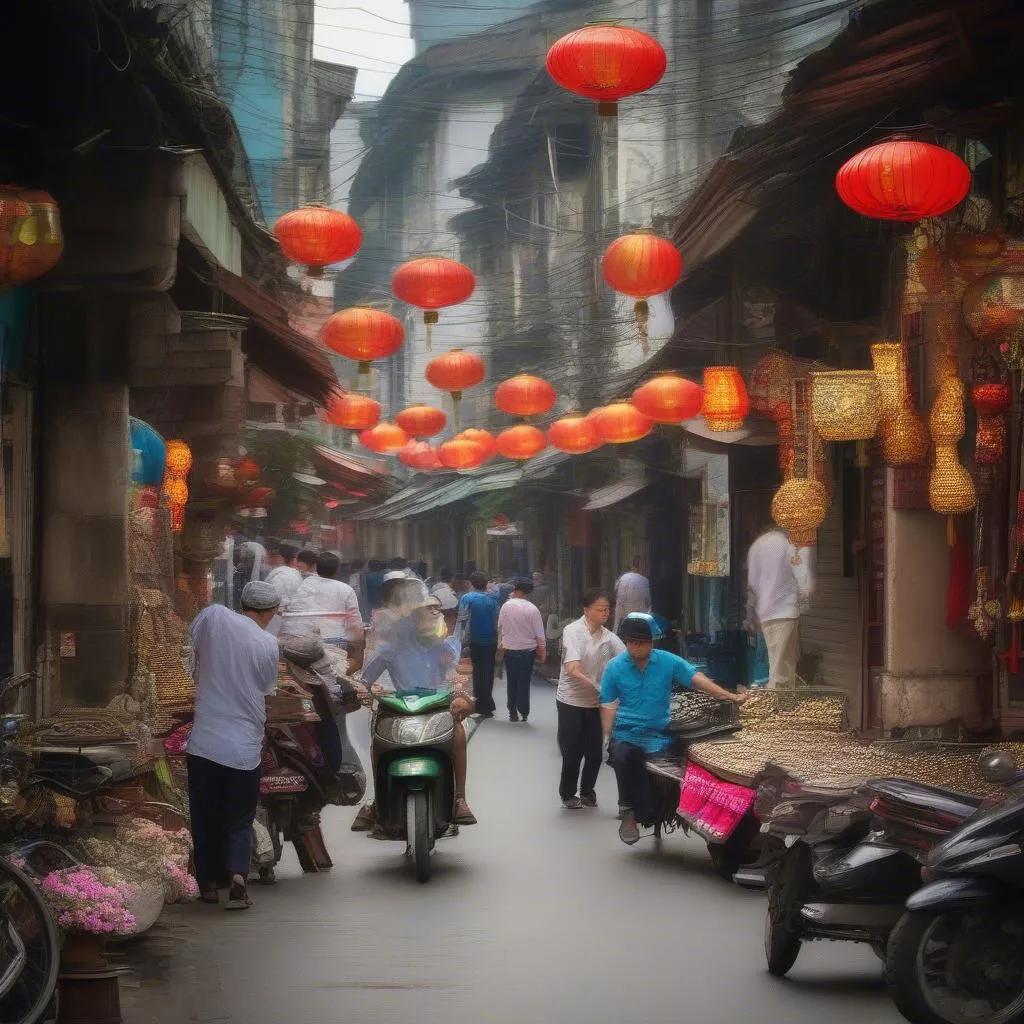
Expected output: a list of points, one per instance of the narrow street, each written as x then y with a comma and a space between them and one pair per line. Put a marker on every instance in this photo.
536, 915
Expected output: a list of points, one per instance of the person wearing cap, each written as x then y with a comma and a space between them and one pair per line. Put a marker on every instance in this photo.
635, 690
235, 666
284, 577
443, 591
522, 638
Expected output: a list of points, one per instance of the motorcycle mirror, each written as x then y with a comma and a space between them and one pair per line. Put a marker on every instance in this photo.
997, 766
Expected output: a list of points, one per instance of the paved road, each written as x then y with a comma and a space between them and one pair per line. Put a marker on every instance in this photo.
535, 916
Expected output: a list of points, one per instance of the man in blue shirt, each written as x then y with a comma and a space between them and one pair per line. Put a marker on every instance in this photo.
478, 617
635, 691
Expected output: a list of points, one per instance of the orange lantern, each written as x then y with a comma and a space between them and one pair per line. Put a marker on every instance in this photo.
573, 434
606, 63
726, 402
432, 283
484, 439
620, 423
316, 236
385, 438
364, 334
669, 398
175, 491
524, 395
520, 442
31, 240
421, 420
179, 458
640, 266
456, 371
461, 453
353, 411
413, 454
900, 179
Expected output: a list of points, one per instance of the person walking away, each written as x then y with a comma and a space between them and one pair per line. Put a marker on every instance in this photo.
357, 581
235, 666
587, 647
443, 591
635, 692
374, 580
305, 562
773, 604
632, 594
284, 577
521, 638
478, 617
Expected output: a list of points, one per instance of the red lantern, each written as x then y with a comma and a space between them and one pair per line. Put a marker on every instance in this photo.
524, 395
432, 283
385, 438
456, 371
606, 63
353, 411
573, 434
901, 179
364, 334
460, 453
316, 236
520, 442
247, 470
669, 399
414, 454
31, 240
726, 402
620, 423
640, 266
484, 439
421, 420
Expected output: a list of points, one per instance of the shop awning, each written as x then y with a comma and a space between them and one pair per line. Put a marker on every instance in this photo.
612, 494
366, 478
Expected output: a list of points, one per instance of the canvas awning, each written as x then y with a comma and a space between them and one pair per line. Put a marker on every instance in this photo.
612, 494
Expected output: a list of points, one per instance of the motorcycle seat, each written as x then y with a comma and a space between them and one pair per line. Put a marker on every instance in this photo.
924, 797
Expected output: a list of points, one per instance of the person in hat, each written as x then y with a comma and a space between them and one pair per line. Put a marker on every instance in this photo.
635, 691
522, 638
235, 666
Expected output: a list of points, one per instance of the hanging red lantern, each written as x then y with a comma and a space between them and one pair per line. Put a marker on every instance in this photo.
364, 334
432, 283
385, 438
353, 411
524, 395
642, 265
316, 237
520, 442
620, 423
484, 439
456, 371
573, 434
421, 420
669, 398
901, 179
413, 453
247, 470
606, 63
31, 239
726, 402
460, 453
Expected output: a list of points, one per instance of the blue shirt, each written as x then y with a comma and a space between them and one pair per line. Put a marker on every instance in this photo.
414, 667
643, 715
481, 611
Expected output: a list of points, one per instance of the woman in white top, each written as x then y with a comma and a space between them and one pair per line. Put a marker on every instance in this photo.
587, 646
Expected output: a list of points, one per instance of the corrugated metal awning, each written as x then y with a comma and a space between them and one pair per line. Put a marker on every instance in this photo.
612, 494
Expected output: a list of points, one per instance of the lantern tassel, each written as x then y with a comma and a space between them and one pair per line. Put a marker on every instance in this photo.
950, 531
430, 317
642, 311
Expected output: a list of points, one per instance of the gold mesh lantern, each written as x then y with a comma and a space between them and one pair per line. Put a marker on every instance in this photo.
903, 432
950, 489
904, 438
799, 507
845, 404
947, 417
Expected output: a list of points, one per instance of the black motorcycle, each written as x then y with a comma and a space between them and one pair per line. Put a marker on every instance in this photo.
957, 954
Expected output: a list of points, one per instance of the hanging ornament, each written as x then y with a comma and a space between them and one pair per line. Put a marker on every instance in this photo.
417, 455
993, 306
352, 411
520, 442
844, 404
179, 457
669, 398
606, 63
385, 438
525, 395
484, 439
422, 420
619, 423
460, 453
900, 179
573, 434
316, 237
641, 266
433, 283
800, 506
456, 371
991, 398
363, 333
726, 403
31, 239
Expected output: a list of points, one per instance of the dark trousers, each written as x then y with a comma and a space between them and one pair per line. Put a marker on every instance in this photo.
635, 789
222, 805
579, 739
482, 656
518, 676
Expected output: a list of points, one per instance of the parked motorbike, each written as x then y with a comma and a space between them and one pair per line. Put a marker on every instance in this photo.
957, 954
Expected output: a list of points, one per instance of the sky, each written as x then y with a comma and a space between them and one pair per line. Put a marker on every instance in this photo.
369, 35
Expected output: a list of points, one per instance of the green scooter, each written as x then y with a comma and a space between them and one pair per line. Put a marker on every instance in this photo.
414, 782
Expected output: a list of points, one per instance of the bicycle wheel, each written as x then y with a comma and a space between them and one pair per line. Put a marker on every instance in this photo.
29, 949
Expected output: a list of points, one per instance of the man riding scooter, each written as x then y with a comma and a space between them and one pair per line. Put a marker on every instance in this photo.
635, 692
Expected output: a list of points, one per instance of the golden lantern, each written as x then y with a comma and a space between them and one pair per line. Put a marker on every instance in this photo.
175, 491
844, 404
950, 489
800, 506
903, 432
179, 458
947, 419
904, 438
726, 402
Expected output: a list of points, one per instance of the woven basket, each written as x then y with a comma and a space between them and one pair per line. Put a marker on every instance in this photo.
696, 715
845, 404
904, 438
947, 420
799, 507
889, 358
950, 489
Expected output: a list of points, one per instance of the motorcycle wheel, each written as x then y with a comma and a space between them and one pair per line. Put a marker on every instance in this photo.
786, 895
955, 966
417, 827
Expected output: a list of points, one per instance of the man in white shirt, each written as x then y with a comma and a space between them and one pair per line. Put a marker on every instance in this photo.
283, 577
773, 603
443, 591
521, 636
632, 594
235, 666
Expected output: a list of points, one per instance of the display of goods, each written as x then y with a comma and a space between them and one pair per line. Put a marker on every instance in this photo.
162, 651
844, 404
904, 438
771, 382
950, 489
800, 507
810, 709
993, 305
693, 715
947, 421
990, 440
711, 807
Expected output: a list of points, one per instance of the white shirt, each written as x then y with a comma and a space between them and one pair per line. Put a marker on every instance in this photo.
632, 594
235, 666
772, 590
285, 580
328, 608
520, 625
444, 593
593, 651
